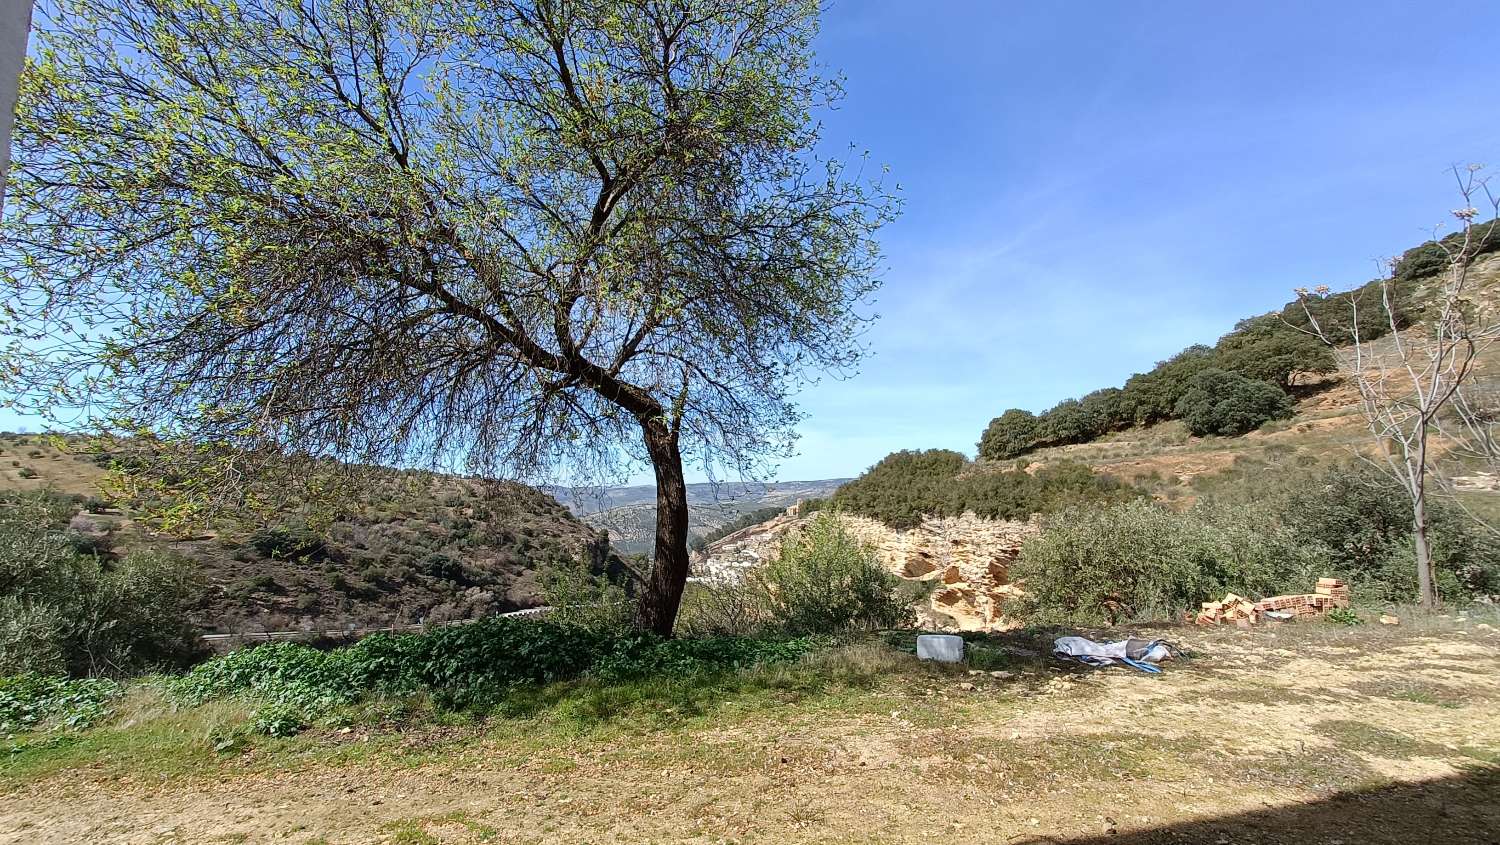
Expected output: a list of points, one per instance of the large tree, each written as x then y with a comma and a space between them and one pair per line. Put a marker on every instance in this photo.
528, 236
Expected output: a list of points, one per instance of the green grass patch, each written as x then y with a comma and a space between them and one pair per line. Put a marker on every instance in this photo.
150, 733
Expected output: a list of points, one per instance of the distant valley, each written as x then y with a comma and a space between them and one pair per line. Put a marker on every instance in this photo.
629, 513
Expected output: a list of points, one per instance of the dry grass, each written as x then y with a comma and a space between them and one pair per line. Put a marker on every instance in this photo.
861, 744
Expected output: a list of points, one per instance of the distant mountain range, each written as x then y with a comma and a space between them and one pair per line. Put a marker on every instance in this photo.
629, 513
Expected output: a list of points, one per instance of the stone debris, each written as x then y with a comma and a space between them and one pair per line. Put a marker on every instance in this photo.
1328, 594
965, 558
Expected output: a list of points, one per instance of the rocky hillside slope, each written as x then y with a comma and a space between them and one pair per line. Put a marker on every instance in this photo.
409, 546
966, 560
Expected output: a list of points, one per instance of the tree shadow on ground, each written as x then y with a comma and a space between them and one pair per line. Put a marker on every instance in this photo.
1457, 810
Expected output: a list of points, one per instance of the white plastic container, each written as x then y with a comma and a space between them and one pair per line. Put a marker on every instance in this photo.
944, 648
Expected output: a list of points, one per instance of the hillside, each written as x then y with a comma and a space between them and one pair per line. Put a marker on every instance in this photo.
1326, 425
967, 558
410, 546
629, 513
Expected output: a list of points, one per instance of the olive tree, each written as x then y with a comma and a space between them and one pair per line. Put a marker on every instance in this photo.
537, 237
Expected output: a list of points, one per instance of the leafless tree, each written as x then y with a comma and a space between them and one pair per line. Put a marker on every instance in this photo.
1418, 383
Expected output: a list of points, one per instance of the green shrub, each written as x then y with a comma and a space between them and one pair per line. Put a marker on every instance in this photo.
460, 666
1069, 421
1152, 397
289, 542
1013, 433
68, 608
1267, 349
906, 486
903, 487
583, 598
1429, 258
1106, 408
1228, 404
1139, 561
33, 701
1360, 311
27, 472
1017, 495
1361, 522
824, 581
1343, 616
719, 608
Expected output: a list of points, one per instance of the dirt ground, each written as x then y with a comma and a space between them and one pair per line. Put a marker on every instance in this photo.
1311, 736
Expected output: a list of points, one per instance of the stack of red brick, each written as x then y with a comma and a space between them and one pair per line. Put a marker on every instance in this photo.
1327, 595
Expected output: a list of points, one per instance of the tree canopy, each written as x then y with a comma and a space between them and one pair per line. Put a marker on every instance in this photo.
523, 237
1226, 403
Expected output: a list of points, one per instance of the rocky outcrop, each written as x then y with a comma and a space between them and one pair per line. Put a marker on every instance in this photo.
965, 560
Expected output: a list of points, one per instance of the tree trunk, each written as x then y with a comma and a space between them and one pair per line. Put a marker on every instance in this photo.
657, 608
1426, 586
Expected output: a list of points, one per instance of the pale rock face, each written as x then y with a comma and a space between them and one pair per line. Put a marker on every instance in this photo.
965, 558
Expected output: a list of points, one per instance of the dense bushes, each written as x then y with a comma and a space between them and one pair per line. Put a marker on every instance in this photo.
1139, 561
905, 486
460, 666
1228, 404
67, 607
1361, 522
1268, 536
1266, 349
902, 487
30, 701
1360, 312
1262, 350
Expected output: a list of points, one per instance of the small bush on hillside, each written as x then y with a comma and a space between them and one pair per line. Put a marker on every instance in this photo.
824, 581
289, 542
1429, 259
1228, 404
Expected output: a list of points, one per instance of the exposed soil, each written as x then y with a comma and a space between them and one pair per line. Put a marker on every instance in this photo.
1305, 734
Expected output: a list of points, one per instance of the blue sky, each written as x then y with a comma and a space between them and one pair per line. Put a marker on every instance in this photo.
1091, 187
